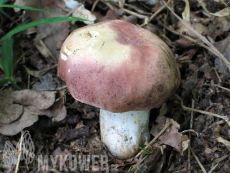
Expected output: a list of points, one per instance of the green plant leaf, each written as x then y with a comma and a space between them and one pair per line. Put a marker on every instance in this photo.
28, 8
2, 81
146, 152
1, 3
39, 22
7, 57
14, 84
134, 167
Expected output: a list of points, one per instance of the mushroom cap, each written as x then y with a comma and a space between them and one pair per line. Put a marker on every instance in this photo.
118, 66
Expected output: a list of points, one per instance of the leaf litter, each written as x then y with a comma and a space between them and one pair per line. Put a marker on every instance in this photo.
190, 133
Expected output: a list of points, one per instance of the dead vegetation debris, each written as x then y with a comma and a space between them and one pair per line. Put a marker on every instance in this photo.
190, 132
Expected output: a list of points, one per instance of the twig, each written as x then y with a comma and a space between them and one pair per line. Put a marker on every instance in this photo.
226, 89
108, 4
140, 16
19, 152
195, 41
189, 150
217, 75
213, 49
94, 5
158, 11
137, 164
198, 161
155, 138
203, 112
213, 168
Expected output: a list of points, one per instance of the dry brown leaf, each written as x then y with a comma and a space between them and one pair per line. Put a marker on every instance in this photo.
40, 99
79, 11
70, 4
186, 12
222, 13
110, 15
46, 84
11, 108
219, 138
9, 111
224, 47
58, 109
59, 33
27, 119
82, 12
171, 136
95, 145
59, 152
33, 103
200, 28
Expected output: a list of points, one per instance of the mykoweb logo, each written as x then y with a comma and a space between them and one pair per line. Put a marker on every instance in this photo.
25, 150
73, 162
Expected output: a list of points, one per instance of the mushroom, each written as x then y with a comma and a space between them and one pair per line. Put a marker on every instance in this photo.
124, 70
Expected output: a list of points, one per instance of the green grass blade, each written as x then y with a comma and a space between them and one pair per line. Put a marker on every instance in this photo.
2, 2
146, 152
14, 84
28, 8
7, 57
39, 22
2, 81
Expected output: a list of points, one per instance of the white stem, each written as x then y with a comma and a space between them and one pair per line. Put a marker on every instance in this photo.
124, 132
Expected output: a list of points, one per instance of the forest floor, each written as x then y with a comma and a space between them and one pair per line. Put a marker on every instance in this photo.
189, 133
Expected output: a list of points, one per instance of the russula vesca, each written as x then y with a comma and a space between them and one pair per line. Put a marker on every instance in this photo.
123, 69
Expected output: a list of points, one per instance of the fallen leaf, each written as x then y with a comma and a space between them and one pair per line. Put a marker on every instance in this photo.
33, 103
70, 4
59, 152
186, 12
11, 106
224, 47
9, 111
222, 13
219, 138
200, 28
27, 119
46, 84
58, 109
59, 33
171, 136
95, 146
69, 135
40, 99
110, 15
84, 13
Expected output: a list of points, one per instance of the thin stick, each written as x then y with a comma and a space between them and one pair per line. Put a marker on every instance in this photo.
191, 125
155, 138
203, 112
94, 5
158, 11
198, 161
140, 16
226, 89
213, 49
19, 152
217, 75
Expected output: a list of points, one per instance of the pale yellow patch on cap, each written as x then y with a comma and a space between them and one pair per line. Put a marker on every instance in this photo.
96, 43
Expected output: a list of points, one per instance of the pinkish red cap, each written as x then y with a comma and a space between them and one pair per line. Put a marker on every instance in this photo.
118, 66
